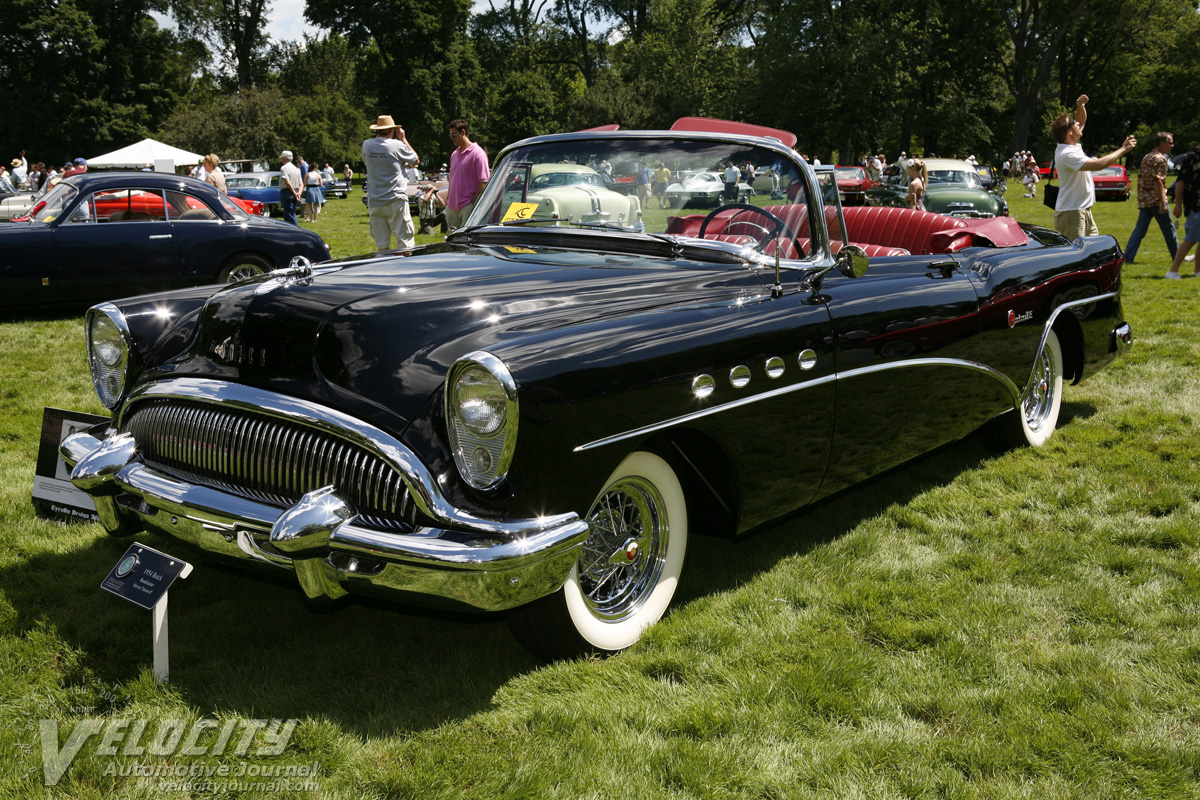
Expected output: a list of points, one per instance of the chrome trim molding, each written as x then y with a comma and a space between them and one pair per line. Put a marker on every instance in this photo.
1050, 324
1007, 382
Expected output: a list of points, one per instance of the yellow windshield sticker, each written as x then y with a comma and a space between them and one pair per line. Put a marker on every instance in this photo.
518, 211
519, 250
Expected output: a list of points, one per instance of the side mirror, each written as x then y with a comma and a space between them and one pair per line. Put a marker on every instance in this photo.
852, 261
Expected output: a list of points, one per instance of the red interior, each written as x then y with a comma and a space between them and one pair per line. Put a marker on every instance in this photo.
880, 230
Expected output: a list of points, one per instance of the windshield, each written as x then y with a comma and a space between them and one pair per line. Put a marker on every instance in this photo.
1113, 171
851, 174
963, 176
660, 185
233, 208
53, 204
245, 183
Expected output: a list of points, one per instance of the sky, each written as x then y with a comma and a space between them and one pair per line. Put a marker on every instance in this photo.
287, 21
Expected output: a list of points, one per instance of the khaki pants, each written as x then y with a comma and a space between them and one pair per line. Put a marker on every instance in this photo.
1075, 223
391, 219
457, 217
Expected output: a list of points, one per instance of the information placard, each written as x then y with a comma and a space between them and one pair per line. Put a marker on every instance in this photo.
143, 575
53, 493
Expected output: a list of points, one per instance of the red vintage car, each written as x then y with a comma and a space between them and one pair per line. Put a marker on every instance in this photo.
853, 184
1112, 183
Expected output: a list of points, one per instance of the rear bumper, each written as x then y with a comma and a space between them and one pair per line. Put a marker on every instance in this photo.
496, 565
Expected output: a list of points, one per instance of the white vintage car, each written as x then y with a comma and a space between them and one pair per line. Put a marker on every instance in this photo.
577, 192
704, 188
16, 204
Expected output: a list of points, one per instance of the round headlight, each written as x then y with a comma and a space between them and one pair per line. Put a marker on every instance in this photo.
108, 353
480, 401
481, 418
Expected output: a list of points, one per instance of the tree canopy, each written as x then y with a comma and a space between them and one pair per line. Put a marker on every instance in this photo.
847, 76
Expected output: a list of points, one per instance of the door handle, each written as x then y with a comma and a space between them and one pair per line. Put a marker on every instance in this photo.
162, 236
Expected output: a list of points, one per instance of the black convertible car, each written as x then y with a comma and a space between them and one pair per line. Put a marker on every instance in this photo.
536, 415
101, 236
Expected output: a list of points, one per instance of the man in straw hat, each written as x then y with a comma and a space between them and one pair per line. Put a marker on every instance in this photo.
385, 156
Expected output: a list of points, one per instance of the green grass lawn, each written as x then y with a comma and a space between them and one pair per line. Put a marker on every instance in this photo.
967, 626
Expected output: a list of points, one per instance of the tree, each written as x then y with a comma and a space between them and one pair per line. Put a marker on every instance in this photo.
238, 27
415, 58
85, 76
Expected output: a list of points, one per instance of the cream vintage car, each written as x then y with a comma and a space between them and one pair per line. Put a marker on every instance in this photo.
570, 191
705, 188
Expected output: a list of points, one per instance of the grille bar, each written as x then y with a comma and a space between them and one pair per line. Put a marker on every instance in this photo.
268, 460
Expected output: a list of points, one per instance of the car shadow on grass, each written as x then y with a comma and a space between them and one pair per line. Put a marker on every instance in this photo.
717, 564
249, 644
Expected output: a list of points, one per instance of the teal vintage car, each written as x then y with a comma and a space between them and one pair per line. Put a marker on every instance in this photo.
954, 189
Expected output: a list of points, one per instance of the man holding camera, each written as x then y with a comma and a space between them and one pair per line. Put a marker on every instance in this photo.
385, 156
1077, 193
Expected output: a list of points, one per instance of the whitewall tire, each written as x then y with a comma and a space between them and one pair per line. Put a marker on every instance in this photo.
627, 571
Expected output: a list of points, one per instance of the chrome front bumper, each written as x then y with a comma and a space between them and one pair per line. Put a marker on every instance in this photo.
489, 566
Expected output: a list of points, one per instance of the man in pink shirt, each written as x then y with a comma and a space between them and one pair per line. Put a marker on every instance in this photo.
469, 173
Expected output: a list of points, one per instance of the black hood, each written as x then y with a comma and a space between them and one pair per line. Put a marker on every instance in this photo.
376, 336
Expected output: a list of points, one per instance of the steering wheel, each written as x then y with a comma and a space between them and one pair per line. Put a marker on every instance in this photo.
770, 231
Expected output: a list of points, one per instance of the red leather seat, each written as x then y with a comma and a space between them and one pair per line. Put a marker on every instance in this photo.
904, 227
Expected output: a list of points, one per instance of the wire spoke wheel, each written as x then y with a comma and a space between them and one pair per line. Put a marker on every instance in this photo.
623, 555
625, 573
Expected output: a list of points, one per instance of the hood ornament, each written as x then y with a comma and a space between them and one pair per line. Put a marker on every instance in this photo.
297, 271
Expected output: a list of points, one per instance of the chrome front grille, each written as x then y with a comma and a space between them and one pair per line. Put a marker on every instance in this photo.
266, 459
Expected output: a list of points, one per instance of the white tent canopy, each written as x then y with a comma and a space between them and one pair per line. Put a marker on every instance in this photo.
146, 152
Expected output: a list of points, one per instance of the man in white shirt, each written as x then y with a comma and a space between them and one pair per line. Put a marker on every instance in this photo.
1077, 193
291, 183
732, 174
19, 171
385, 155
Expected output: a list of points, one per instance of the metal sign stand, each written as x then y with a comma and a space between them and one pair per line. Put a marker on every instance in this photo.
158, 622
142, 577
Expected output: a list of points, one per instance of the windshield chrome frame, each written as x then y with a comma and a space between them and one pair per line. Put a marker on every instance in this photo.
821, 253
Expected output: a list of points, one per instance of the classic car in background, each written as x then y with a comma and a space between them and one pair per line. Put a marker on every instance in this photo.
336, 186
990, 178
574, 192
105, 235
954, 189
262, 187
1112, 183
853, 183
536, 415
16, 204
704, 188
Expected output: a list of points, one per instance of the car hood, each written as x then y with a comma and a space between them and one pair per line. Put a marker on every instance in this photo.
376, 336
942, 195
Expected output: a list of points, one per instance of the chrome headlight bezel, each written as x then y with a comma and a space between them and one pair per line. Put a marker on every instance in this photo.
482, 456
109, 352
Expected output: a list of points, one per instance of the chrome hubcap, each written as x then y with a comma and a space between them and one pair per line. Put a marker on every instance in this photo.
623, 555
1040, 398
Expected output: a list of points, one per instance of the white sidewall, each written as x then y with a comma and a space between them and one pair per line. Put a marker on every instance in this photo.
1039, 437
618, 635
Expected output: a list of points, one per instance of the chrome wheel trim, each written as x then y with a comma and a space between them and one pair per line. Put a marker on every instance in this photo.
1039, 401
245, 270
624, 554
